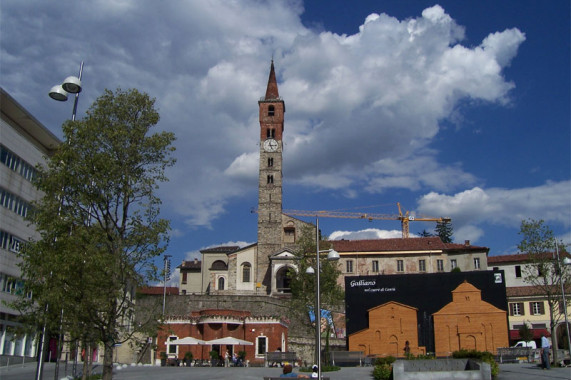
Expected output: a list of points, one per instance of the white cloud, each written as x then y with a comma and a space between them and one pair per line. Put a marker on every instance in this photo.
361, 108
368, 233
496, 206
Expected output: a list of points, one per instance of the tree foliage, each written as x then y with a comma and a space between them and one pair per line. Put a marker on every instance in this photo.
425, 234
444, 230
303, 285
99, 222
544, 268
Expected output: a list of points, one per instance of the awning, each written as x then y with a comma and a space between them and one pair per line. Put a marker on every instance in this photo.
230, 341
537, 333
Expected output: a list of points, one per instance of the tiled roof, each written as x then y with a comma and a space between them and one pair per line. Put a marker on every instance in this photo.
221, 249
154, 290
522, 291
522, 257
193, 264
519, 257
399, 245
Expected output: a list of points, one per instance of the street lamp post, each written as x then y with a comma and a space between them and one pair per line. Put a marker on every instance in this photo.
71, 85
332, 255
59, 92
566, 261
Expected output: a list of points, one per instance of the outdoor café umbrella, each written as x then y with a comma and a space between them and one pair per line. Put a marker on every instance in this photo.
229, 341
186, 341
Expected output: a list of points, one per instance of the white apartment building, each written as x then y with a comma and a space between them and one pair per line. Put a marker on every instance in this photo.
526, 303
24, 142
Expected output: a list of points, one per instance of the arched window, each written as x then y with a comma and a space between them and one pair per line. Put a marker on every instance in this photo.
220, 283
271, 110
219, 265
246, 270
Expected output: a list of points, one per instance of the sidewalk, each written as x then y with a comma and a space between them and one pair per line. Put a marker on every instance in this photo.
523, 371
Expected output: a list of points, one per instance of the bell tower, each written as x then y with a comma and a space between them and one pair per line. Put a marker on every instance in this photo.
272, 109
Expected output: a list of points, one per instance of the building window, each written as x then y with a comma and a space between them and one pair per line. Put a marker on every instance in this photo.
172, 347
15, 163
271, 110
400, 266
246, 269
476, 263
289, 234
536, 308
518, 271
10, 242
220, 283
183, 281
349, 266
270, 179
422, 265
453, 264
375, 266
261, 346
516, 309
270, 162
271, 133
440, 265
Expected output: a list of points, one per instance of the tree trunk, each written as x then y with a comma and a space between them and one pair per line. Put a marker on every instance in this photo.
554, 345
85, 359
90, 360
553, 336
108, 360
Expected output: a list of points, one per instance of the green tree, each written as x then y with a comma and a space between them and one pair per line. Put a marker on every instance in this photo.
525, 333
303, 285
425, 233
99, 223
543, 270
444, 231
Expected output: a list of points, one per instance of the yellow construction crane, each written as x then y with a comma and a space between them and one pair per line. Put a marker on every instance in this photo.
405, 219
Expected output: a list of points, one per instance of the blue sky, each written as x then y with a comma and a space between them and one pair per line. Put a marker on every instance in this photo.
452, 108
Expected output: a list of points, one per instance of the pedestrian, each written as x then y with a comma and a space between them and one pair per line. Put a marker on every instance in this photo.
314, 372
227, 358
288, 372
406, 349
545, 352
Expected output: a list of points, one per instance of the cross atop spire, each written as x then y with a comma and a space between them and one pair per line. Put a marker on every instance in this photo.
272, 90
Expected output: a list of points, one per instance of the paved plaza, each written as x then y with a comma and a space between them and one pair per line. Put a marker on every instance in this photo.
524, 371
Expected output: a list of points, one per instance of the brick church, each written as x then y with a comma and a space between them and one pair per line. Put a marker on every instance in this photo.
260, 268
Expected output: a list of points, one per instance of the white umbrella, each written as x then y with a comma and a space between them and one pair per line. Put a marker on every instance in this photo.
229, 341
185, 341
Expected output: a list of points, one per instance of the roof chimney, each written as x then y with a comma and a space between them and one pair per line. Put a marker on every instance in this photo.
466, 243
195, 260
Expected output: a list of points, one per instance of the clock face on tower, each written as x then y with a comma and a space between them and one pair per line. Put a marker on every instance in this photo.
270, 145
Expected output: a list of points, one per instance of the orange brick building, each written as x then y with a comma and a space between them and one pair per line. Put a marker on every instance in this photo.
470, 323
391, 325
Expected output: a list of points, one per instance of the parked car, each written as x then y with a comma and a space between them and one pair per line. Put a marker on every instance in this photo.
523, 343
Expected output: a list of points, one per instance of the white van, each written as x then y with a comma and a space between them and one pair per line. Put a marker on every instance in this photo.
523, 343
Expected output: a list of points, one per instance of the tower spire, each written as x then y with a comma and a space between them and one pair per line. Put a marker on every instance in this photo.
272, 90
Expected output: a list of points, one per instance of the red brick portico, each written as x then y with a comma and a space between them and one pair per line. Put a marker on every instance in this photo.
266, 333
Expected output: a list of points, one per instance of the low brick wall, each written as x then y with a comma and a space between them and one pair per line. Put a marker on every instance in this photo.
436, 369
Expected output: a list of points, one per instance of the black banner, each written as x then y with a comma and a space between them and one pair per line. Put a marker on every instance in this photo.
426, 292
